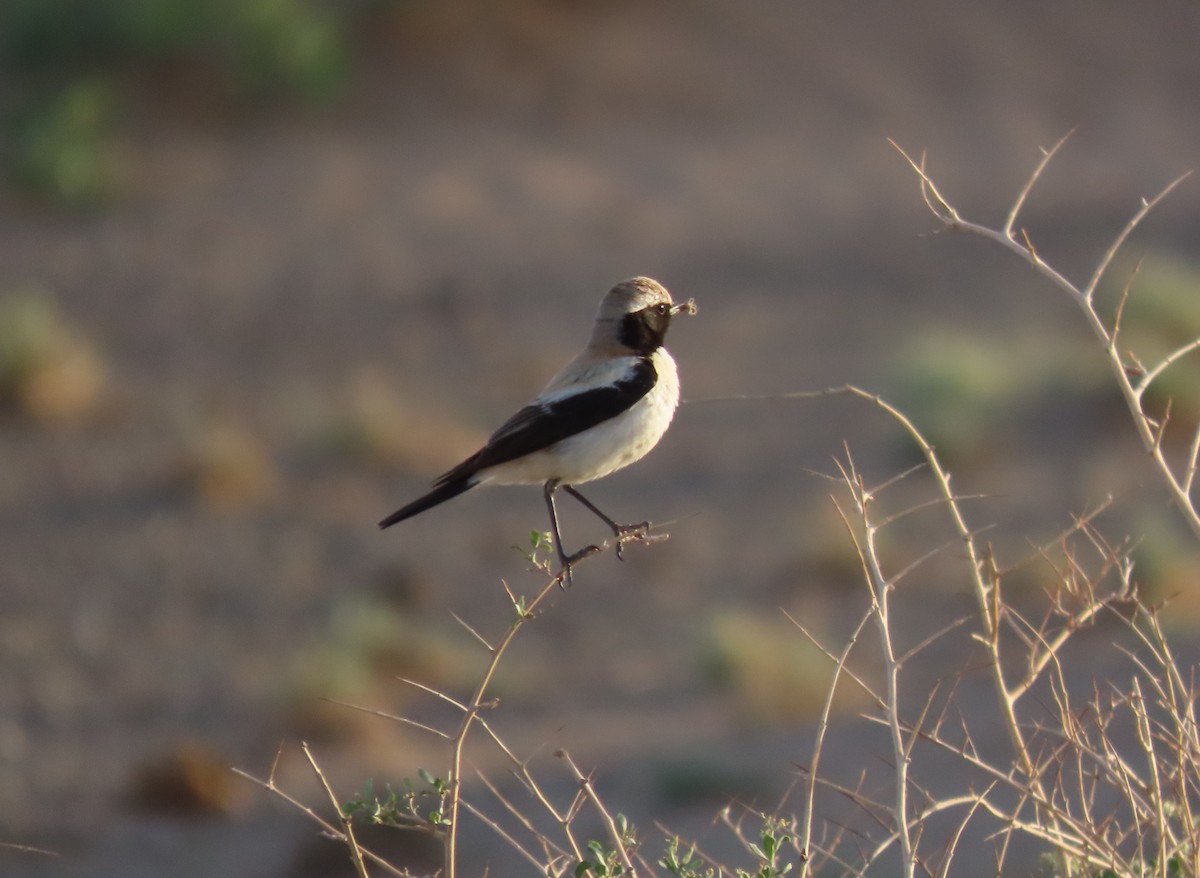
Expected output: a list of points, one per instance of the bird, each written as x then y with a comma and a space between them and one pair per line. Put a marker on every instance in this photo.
605, 409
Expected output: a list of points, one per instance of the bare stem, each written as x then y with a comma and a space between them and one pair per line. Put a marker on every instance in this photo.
471, 710
881, 591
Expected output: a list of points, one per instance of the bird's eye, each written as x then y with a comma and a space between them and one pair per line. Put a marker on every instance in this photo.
663, 308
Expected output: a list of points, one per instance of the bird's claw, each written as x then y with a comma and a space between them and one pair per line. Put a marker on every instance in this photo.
564, 578
630, 533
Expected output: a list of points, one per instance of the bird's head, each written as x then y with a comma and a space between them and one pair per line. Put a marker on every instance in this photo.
635, 315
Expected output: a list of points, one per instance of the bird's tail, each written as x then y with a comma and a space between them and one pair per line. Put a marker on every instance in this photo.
440, 494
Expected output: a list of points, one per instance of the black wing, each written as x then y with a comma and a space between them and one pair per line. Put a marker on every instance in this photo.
538, 426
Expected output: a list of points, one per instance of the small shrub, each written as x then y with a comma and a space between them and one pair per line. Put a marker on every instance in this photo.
770, 668
61, 144
228, 466
1161, 314
966, 391
48, 371
67, 63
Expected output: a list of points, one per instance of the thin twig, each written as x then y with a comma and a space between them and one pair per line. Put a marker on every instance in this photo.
393, 717
610, 824
1019, 202
356, 854
1102, 267
881, 587
805, 839
1166, 362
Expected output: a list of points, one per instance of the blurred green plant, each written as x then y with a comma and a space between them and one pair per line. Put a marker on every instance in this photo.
965, 391
294, 45
65, 62
1166, 560
288, 45
60, 144
48, 371
227, 465
373, 423
39, 35
1163, 297
369, 641
774, 673
1161, 314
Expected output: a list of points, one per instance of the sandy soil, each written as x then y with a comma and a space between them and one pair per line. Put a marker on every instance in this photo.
416, 261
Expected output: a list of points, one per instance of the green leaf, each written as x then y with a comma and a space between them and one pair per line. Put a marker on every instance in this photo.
768, 846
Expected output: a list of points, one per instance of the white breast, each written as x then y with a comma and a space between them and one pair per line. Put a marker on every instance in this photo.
608, 446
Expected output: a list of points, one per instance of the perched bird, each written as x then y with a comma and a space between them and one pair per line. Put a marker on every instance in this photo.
604, 410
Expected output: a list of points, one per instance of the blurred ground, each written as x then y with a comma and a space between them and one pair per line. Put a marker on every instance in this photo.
306, 314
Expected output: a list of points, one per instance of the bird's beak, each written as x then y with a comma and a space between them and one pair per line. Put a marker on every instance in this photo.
688, 307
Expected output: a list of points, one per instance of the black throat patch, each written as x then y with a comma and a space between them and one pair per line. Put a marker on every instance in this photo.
643, 331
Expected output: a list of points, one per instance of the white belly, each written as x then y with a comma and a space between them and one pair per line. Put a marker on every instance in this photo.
608, 446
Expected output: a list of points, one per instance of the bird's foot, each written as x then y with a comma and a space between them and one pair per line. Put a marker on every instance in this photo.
568, 561
630, 533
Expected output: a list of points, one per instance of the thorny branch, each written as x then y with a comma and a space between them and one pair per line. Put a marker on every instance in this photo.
1149, 429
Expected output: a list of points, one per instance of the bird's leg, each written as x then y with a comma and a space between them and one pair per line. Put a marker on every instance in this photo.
622, 532
563, 559
548, 491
